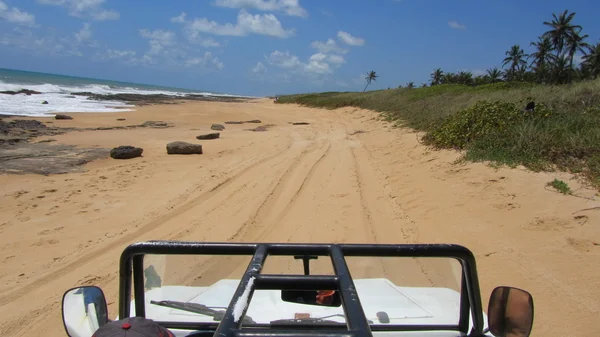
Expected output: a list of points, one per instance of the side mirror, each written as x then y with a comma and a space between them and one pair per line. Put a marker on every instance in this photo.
84, 310
510, 312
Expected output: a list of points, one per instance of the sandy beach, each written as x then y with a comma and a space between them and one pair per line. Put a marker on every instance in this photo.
345, 177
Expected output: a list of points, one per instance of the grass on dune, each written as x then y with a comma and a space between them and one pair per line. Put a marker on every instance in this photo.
488, 121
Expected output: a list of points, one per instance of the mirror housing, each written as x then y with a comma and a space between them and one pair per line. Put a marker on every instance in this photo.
510, 312
84, 310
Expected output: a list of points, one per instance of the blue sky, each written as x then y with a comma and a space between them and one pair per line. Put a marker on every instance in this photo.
265, 47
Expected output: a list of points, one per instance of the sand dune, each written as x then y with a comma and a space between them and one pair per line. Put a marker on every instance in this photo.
345, 177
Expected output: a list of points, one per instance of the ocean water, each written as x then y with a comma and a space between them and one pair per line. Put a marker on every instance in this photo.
57, 89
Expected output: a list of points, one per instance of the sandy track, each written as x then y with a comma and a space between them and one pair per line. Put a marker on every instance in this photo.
346, 177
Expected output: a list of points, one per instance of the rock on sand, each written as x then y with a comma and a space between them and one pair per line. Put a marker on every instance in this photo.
126, 152
183, 148
217, 127
209, 136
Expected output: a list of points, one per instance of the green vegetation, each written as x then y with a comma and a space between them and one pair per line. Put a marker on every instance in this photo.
551, 62
485, 116
560, 186
488, 121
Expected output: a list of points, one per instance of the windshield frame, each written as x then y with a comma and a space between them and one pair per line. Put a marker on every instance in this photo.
131, 274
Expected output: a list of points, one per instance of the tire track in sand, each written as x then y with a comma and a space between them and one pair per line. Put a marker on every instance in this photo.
260, 221
116, 244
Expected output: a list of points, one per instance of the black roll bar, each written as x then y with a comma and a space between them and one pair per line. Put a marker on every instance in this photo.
357, 323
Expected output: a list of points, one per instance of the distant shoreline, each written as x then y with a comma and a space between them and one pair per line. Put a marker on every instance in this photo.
137, 100
141, 99
24, 93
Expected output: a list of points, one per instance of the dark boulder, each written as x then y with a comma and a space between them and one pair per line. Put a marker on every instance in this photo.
234, 122
63, 117
45, 102
300, 123
126, 152
22, 91
209, 136
217, 127
183, 148
254, 121
120, 119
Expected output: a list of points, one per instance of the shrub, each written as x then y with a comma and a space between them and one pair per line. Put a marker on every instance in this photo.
480, 121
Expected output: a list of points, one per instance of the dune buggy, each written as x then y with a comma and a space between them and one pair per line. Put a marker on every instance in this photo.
298, 290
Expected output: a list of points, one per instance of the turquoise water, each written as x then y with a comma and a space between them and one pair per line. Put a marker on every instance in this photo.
10, 76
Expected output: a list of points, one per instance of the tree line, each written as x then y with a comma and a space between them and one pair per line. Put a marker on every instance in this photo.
554, 60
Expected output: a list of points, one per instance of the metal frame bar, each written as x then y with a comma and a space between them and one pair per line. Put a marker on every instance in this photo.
357, 324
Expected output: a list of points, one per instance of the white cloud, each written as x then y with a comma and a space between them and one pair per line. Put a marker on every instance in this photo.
260, 24
158, 40
349, 39
85, 8
47, 45
283, 59
192, 34
207, 42
15, 15
164, 50
330, 46
122, 56
318, 63
456, 25
119, 54
259, 68
162, 36
317, 57
288, 7
180, 18
336, 59
84, 34
205, 60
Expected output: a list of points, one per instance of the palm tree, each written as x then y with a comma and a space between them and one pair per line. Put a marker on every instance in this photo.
561, 29
481, 79
576, 43
591, 61
436, 76
371, 76
542, 57
410, 85
515, 57
464, 77
494, 75
449, 78
561, 72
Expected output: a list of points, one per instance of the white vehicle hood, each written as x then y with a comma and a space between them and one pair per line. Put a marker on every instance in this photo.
403, 305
